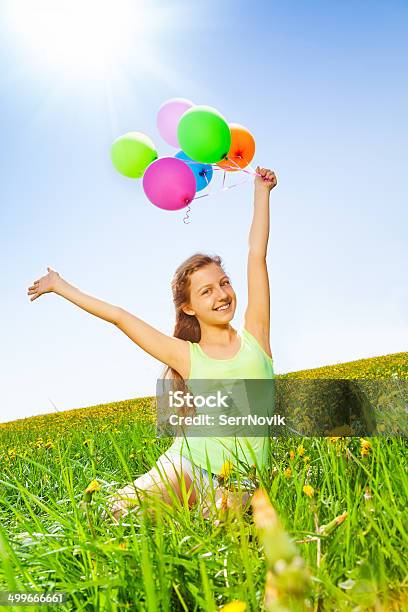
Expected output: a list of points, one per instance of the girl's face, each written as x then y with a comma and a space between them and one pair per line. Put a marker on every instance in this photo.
212, 298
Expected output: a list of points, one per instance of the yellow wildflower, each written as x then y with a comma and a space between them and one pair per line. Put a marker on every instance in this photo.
234, 606
365, 443
292, 454
226, 469
308, 490
334, 439
365, 447
93, 486
288, 472
306, 459
300, 450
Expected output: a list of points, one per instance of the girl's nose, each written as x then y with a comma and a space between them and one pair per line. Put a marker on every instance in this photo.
222, 294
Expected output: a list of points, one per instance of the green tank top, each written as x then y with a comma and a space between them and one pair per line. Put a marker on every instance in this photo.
251, 361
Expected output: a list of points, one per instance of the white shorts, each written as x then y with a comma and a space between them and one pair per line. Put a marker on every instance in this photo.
197, 474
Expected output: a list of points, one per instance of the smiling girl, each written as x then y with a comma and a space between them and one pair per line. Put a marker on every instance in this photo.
204, 346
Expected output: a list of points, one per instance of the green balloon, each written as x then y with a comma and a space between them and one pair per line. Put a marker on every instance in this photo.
132, 153
204, 134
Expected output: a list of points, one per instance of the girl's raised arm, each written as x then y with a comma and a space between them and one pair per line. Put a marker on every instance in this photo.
167, 349
257, 315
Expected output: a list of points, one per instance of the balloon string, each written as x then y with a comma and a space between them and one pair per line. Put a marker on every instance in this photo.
208, 183
248, 165
234, 162
236, 167
205, 195
186, 218
216, 167
253, 169
235, 184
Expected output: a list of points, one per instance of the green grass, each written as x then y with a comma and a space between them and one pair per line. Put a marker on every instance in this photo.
51, 540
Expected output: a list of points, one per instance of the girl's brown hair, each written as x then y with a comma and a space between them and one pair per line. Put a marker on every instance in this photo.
187, 326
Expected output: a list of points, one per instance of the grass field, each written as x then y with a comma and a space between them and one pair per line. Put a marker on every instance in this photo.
53, 536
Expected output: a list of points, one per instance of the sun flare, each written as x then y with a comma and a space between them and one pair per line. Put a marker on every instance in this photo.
83, 37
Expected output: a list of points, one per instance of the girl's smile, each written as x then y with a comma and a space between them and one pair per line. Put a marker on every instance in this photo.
224, 307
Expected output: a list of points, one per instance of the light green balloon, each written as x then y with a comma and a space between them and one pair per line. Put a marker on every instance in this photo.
132, 153
204, 135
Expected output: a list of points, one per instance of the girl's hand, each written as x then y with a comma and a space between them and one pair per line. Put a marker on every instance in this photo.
45, 284
225, 499
267, 181
118, 508
120, 503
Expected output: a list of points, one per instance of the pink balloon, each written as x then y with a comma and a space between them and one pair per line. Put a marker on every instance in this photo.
168, 118
169, 183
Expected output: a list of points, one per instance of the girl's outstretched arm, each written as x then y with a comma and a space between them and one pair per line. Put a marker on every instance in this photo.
167, 349
257, 313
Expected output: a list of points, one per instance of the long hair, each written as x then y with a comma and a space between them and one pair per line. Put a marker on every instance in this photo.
187, 326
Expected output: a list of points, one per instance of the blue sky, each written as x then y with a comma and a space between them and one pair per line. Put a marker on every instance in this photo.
323, 88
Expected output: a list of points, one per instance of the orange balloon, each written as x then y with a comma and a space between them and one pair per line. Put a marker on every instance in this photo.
242, 149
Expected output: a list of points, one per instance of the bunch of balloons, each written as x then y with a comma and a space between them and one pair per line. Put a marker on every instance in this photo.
206, 142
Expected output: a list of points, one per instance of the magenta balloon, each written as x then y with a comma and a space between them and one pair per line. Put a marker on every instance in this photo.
168, 118
169, 183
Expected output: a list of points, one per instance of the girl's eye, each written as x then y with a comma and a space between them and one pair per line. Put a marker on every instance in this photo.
205, 291
226, 282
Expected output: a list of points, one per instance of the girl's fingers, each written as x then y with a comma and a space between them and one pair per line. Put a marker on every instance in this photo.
266, 174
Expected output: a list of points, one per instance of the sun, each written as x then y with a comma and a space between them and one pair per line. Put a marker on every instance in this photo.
80, 37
